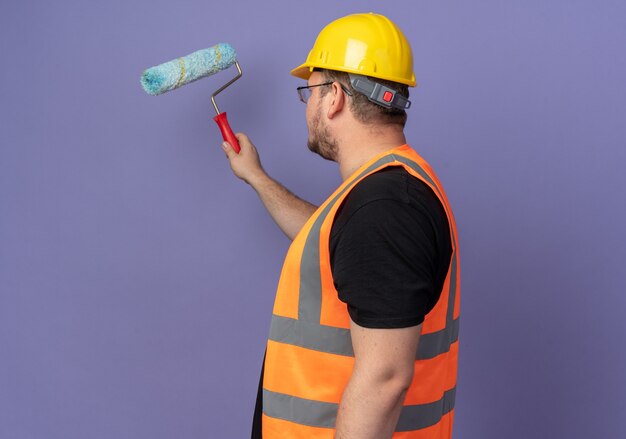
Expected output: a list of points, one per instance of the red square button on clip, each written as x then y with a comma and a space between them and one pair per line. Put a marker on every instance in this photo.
387, 96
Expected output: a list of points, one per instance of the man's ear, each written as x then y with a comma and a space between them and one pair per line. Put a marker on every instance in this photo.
337, 102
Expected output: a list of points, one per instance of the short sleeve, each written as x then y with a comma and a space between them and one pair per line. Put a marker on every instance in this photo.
386, 253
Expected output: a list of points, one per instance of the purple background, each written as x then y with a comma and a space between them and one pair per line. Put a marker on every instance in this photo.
137, 274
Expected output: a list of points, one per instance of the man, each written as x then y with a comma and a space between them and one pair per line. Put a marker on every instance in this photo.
364, 334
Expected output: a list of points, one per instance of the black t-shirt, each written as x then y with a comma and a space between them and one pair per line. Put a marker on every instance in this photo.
390, 250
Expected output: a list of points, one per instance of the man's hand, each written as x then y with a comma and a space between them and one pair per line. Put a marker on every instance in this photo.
245, 165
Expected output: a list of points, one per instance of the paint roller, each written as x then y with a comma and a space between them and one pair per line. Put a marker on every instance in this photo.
197, 65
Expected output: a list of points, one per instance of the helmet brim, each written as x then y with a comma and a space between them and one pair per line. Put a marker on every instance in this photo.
303, 71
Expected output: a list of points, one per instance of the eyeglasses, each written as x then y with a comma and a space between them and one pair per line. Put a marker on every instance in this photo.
304, 92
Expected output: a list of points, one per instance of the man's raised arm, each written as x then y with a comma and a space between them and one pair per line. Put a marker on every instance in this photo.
287, 210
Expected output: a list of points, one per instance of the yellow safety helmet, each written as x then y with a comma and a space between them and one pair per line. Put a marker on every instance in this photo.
365, 44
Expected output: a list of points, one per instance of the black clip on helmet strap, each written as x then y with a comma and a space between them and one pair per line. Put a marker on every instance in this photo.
378, 93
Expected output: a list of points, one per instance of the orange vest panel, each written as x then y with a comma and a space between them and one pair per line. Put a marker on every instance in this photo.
309, 358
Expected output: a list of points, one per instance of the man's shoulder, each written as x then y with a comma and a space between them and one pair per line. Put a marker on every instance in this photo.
388, 196
387, 184
392, 183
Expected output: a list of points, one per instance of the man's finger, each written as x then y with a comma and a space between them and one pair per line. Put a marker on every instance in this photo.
228, 150
244, 141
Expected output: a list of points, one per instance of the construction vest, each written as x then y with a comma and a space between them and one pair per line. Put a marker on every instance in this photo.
309, 358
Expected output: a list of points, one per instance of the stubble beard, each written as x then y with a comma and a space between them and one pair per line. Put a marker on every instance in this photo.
320, 140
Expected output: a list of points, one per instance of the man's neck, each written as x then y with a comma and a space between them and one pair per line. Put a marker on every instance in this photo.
357, 150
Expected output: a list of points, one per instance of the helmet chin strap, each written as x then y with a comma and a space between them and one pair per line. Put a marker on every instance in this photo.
379, 93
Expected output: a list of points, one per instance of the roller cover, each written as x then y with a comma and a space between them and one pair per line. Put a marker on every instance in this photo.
181, 71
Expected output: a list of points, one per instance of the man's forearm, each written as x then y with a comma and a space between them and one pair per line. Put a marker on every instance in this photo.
287, 210
370, 407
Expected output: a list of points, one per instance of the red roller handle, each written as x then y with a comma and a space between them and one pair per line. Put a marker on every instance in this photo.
227, 133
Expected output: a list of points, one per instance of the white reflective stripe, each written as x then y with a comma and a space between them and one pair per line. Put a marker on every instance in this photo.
299, 410
416, 417
437, 343
310, 297
452, 294
324, 415
311, 336
337, 341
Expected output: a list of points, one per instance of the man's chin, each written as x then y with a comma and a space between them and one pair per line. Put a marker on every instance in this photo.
315, 147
